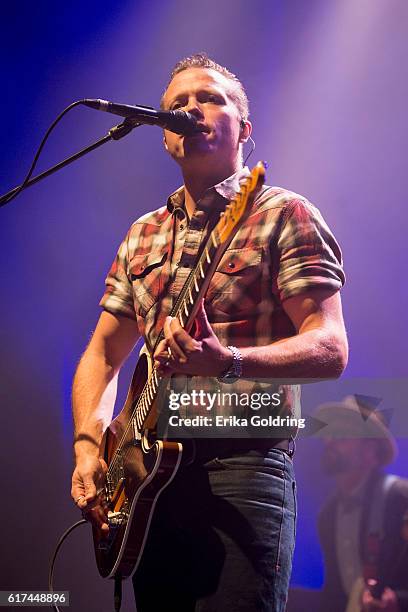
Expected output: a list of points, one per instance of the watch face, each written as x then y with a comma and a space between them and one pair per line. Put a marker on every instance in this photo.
230, 377
235, 370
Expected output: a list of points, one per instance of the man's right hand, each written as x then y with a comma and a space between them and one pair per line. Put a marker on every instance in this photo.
87, 490
93, 398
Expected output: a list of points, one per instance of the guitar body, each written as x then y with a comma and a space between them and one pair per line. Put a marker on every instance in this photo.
142, 470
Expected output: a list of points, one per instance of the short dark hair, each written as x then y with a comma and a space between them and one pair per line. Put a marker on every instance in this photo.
201, 60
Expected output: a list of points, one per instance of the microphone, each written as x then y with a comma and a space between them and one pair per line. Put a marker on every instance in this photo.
176, 121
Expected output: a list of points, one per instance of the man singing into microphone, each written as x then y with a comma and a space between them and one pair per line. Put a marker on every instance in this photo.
222, 535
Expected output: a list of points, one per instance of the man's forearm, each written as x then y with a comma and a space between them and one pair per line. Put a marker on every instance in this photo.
312, 354
318, 350
93, 398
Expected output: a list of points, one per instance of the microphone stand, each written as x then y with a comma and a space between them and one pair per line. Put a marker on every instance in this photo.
115, 133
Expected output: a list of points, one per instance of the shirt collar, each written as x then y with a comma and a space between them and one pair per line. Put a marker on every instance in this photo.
227, 189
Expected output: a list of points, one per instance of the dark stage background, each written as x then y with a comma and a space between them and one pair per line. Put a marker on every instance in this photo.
328, 90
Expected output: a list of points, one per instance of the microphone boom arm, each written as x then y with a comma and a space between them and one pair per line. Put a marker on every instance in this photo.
115, 133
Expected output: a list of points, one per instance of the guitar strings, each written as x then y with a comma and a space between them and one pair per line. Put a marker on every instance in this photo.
142, 404
176, 311
144, 397
141, 399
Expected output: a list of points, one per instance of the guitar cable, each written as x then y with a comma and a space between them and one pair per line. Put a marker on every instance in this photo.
118, 579
20, 188
115, 133
54, 557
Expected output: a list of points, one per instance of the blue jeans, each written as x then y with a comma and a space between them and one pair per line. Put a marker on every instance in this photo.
222, 537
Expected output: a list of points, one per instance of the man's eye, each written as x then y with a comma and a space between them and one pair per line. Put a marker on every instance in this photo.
175, 106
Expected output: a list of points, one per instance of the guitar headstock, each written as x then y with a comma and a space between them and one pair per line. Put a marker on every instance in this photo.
241, 204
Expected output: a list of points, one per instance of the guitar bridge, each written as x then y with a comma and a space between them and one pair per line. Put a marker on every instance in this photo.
116, 520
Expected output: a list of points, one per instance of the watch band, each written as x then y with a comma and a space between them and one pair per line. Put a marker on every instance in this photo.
235, 370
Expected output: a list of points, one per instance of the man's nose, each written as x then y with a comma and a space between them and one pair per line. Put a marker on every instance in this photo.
194, 108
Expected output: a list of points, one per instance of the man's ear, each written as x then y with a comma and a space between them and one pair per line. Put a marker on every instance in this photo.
165, 143
246, 130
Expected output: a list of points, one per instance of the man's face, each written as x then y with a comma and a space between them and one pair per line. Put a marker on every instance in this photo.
342, 455
206, 94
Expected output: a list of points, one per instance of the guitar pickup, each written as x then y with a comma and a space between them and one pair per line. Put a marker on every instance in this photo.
118, 497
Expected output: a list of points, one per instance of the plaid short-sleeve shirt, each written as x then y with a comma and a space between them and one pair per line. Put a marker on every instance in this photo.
283, 249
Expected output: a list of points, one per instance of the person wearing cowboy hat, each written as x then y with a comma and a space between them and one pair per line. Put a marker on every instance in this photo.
363, 526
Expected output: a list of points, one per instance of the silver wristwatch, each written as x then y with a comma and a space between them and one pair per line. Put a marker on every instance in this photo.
235, 370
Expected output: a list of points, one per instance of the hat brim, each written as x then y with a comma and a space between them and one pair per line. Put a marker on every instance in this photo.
345, 420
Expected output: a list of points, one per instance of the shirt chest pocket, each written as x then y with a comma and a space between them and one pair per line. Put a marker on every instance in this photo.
145, 272
236, 286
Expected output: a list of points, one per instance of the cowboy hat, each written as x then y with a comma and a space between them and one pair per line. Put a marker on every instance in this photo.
355, 418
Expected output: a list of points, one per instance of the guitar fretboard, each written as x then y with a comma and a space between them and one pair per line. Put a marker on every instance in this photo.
184, 309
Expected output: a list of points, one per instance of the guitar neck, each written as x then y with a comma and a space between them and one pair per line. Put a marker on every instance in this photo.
220, 238
197, 283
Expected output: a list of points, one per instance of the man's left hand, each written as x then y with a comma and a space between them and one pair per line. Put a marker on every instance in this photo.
201, 355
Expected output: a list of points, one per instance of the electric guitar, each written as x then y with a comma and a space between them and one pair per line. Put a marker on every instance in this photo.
140, 466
